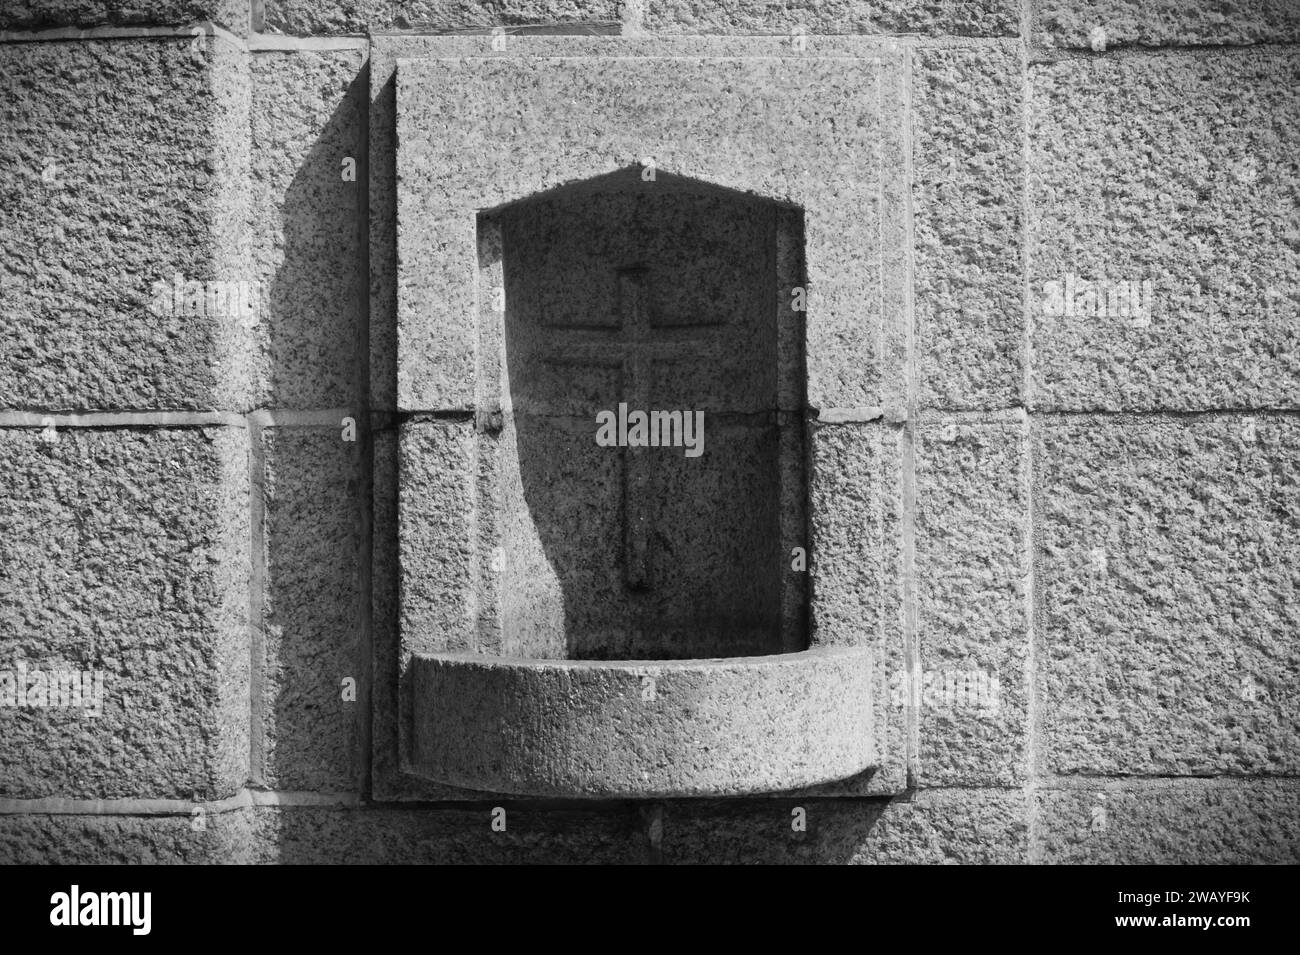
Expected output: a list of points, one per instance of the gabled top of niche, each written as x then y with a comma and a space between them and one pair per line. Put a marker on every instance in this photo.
695, 279
820, 128
644, 176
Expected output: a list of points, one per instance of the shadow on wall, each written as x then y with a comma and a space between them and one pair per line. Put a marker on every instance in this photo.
314, 480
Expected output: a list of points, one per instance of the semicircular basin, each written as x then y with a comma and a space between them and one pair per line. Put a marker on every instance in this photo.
643, 728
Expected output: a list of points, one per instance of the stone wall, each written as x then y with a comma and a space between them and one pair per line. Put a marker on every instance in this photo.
1075, 522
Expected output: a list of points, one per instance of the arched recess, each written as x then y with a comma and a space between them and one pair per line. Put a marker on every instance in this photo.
650, 480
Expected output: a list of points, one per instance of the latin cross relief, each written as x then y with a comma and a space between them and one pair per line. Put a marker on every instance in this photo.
638, 347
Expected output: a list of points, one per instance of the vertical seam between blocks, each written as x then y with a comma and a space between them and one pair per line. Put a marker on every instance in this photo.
1033, 719
633, 17
366, 458
1033, 716
1026, 208
257, 604
911, 636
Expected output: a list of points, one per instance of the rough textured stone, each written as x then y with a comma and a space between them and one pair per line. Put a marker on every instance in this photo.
934, 17
382, 236
437, 543
671, 728
216, 838
1168, 557
1178, 822
963, 826
388, 782
710, 117
126, 552
311, 615
308, 17
357, 16
1074, 23
967, 170
329, 835
467, 14
443, 569
307, 219
103, 202
1176, 171
972, 574
378, 836
38, 14
855, 558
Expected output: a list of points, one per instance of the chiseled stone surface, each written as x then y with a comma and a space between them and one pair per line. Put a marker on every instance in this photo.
937, 826
609, 835
1102, 24
438, 559
972, 581
433, 576
311, 612
968, 172
103, 202
331, 835
307, 137
1177, 172
44, 14
388, 782
315, 17
855, 512
1168, 557
609, 104
932, 17
1173, 822
126, 552
214, 838
754, 724
310, 17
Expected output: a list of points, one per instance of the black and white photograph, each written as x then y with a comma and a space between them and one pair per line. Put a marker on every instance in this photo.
651, 432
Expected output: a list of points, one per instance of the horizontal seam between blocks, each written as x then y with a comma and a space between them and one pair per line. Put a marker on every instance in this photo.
386, 420
1162, 783
123, 419
561, 29
244, 799
256, 798
1047, 55
176, 32
282, 43
1050, 417
649, 37
262, 418
1020, 413
632, 57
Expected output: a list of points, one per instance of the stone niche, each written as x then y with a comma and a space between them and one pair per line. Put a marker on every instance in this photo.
657, 302
594, 603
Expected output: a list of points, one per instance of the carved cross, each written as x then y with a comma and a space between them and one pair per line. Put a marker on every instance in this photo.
636, 345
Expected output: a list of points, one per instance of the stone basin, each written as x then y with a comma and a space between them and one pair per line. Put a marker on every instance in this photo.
654, 728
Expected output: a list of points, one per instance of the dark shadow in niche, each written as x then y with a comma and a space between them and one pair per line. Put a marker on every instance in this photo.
650, 465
